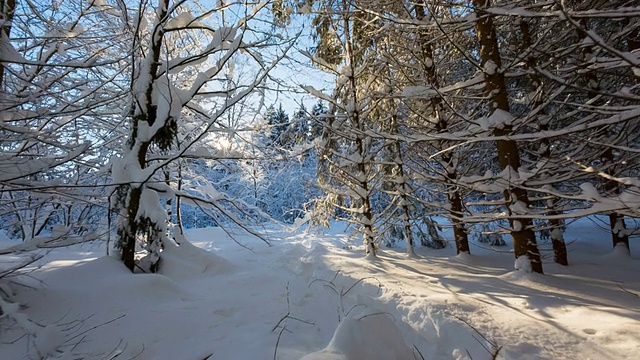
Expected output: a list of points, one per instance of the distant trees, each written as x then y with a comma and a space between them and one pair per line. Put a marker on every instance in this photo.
317, 119
285, 163
278, 124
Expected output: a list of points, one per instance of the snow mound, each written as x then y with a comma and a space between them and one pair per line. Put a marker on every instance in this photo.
369, 335
48, 340
186, 261
465, 257
324, 356
523, 263
77, 277
620, 252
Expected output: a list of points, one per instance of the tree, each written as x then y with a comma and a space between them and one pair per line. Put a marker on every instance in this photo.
62, 95
317, 120
347, 152
543, 155
278, 123
164, 87
516, 198
449, 161
298, 130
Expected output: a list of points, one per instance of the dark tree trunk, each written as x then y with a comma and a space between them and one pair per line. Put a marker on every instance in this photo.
524, 240
611, 187
179, 201
459, 232
402, 188
142, 112
557, 238
454, 196
128, 235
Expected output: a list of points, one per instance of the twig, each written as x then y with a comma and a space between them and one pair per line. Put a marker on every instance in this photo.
283, 327
495, 348
628, 291
342, 292
376, 314
116, 351
419, 353
97, 326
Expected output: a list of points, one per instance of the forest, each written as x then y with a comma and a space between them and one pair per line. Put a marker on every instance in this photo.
498, 134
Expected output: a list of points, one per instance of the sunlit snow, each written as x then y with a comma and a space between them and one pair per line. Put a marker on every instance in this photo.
315, 296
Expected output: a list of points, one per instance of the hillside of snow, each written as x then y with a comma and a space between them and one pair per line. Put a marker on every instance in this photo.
313, 295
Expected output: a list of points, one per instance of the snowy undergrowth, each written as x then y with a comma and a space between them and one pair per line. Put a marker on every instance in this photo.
316, 296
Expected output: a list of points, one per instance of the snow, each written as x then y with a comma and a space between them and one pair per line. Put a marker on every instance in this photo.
499, 117
48, 339
369, 335
183, 20
490, 67
221, 36
523, 264
419, 92
305, 9
8, 53
187, 261
317, 297
589, 191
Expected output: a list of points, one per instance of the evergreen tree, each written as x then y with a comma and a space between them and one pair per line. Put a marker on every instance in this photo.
317, 120
299, 128
278, 122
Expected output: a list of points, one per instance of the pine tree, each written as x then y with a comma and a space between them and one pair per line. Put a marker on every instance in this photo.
347, 153
516, 199
317, 120
543, 154
299, 127
449, 161
278, 122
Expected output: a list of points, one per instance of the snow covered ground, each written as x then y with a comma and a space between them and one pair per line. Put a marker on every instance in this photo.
315, 296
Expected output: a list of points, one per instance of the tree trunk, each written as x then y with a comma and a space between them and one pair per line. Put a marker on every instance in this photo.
616, 221
453, 192
366, 219
179, 201
402, 188
143, 111
459, 232
557, 237
611, 187
7, 9
129, 233
524, 240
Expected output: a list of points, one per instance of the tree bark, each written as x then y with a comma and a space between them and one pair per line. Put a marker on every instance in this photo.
453, 192
128, 235
366, 220
179, 201
524, 240
7, 9
143, 111
402, 188
616, 220
557, 238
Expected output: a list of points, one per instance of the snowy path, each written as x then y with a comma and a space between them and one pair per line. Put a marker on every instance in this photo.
229, 306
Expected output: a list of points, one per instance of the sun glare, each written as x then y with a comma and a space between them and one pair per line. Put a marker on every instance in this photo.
223, 143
